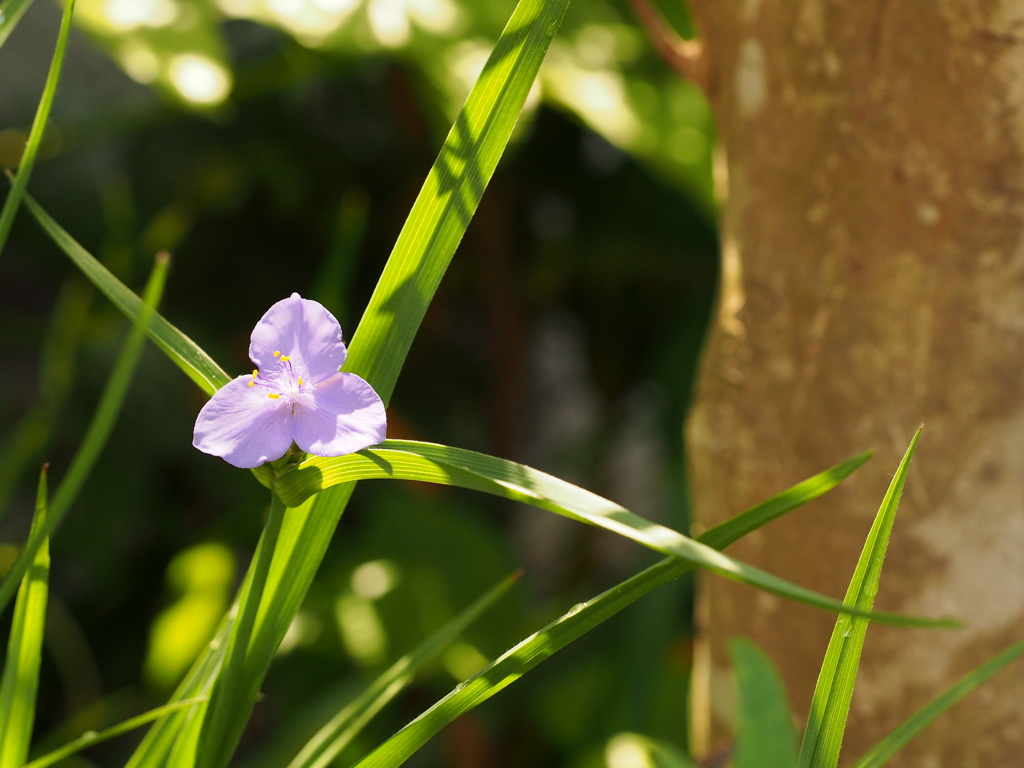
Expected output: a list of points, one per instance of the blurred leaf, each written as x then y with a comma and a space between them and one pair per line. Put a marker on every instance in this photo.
408, 460
830, 705
11, 12
96, 737
34, 429
880, 754
95, 439
203, 576
176, 47
766, 737
184, 352
641, 751
35, 136
334, 736
20, 680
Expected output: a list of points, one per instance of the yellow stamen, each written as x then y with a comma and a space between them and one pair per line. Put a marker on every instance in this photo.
300, 381
252, 383
272, 396
255, 372
285, 358
277, 354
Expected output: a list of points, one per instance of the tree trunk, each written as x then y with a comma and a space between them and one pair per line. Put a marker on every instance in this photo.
873, 280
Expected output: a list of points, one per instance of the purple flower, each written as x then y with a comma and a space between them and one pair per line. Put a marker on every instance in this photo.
295, 393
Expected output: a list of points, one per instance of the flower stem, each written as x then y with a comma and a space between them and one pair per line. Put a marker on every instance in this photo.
228, 711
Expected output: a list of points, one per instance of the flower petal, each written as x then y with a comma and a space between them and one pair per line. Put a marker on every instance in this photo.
301, 328
243, 426
343, 415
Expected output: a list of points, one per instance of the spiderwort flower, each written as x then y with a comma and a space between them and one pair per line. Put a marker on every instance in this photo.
295, 393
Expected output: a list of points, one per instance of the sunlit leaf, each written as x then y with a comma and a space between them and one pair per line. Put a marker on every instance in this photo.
182, 351
530, 652
20, 680
335, 735
884, 750
830, 705
408, 460
98, 737
35, 136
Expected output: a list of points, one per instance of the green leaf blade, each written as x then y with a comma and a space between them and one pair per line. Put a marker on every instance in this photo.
98, 737
450, 195
35, 136
409, 460
766, 737
20, 681
182, 351
833, 692
558, 634
337, 734
882, 752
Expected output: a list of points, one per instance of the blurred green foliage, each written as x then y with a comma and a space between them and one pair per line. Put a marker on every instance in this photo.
276, 146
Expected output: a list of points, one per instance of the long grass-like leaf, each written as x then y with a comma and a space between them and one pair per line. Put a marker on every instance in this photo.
20, 680
830, 704
35, 136
161, 738
408, 460
93, 738
435, 226
182, 351
11, 12
450, 195
95, 437
337, 734
222, 725
582, 618
883, 751
766, 737
294, 567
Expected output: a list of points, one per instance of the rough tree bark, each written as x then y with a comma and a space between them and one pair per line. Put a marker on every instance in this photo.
873, 280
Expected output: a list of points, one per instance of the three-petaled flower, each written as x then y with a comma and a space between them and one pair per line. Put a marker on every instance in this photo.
295, 394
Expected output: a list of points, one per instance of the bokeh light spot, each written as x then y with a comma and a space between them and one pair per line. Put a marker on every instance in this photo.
199, 79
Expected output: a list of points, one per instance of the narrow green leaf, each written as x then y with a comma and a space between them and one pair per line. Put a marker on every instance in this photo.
435, 226
295, 564
161, 738
450, 195
35, 136
408, 460
10, 14
766, 736
882, 752
811, 488
228, 709
20, 680
830, 704
95, 437
337, 734
182, 351
92, 738
582, 618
